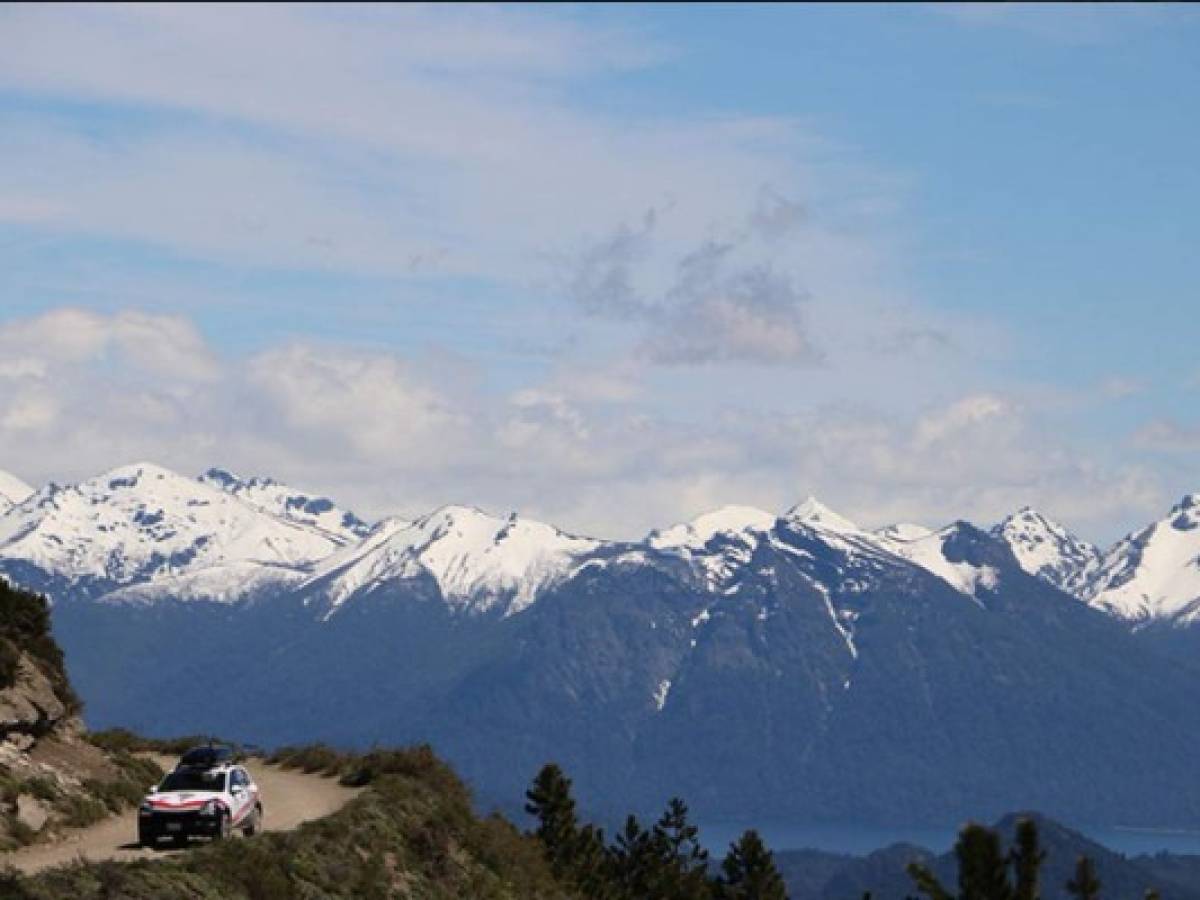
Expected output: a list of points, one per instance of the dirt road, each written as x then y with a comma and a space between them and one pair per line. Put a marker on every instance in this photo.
289, 798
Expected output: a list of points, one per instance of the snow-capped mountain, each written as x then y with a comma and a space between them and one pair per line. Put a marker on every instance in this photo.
285, 502
815, 514
12, 491
723, 542
717, 543
1153, 574
696, 534
143, 533
1048, 550
480, 562
144, 523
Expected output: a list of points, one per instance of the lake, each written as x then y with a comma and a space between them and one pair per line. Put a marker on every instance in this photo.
858, 840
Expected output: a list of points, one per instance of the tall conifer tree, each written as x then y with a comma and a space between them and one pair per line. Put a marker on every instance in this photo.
749, 873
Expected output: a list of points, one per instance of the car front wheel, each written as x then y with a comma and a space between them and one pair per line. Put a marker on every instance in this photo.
253, 822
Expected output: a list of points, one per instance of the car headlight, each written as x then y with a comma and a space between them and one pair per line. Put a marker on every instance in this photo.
145, 809
212, 808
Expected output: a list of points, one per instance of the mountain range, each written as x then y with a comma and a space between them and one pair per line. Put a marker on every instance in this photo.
794, 666
817, 875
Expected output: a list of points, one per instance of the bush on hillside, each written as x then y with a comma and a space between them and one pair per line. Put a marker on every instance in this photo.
25, 627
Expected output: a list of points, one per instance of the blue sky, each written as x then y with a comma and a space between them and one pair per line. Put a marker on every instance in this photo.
611, 265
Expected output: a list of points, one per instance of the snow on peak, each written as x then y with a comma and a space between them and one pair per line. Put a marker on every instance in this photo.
12, 490
728, 520
479, 561
1153, 574
278, 499
814, 513
904, 532
929, 552
1046, 549
143, 521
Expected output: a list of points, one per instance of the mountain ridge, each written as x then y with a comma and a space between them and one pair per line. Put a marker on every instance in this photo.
484, 563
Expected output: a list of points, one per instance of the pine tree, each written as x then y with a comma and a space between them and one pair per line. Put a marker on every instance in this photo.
636, 861
1085, 885
749, 873
1027, 857
684, 862
927, 883
550, 801
982, 868
982, 865
576, 855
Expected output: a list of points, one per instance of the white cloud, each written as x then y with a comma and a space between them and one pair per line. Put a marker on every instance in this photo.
369, 401
1121, 387
582, 447
960, 419
386, 140
1167, 435
156, 345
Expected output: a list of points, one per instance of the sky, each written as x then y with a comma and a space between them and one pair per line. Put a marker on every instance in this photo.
610, 266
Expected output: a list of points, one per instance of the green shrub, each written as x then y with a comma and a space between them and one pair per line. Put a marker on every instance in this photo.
40, 787
10, 657
122, 739
9, 789
76, 811
25, 626
311, 759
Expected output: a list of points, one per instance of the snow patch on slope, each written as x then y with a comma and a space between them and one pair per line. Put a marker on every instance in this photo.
478, 561
929, 553
718, 543
287, 503
728, 520
815, 514
12, 490
903, 531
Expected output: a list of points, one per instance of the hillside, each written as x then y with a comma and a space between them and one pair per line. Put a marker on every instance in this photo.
51, 777
413, 834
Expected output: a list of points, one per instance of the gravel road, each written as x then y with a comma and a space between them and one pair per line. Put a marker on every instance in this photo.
289, 798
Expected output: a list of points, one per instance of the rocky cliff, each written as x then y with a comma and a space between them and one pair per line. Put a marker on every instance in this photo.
50, 775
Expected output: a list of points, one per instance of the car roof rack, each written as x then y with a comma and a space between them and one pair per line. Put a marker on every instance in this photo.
206, 757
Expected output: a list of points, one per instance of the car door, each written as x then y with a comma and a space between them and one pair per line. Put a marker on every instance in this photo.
239, 790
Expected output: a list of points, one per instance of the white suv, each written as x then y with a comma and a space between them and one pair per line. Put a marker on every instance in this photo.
196, 800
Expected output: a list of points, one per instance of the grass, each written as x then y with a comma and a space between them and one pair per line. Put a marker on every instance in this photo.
124, 740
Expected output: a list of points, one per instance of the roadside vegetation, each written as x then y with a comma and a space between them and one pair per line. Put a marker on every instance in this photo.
123, 740
412, 834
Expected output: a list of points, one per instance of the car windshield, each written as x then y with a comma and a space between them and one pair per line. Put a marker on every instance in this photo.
184, 780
